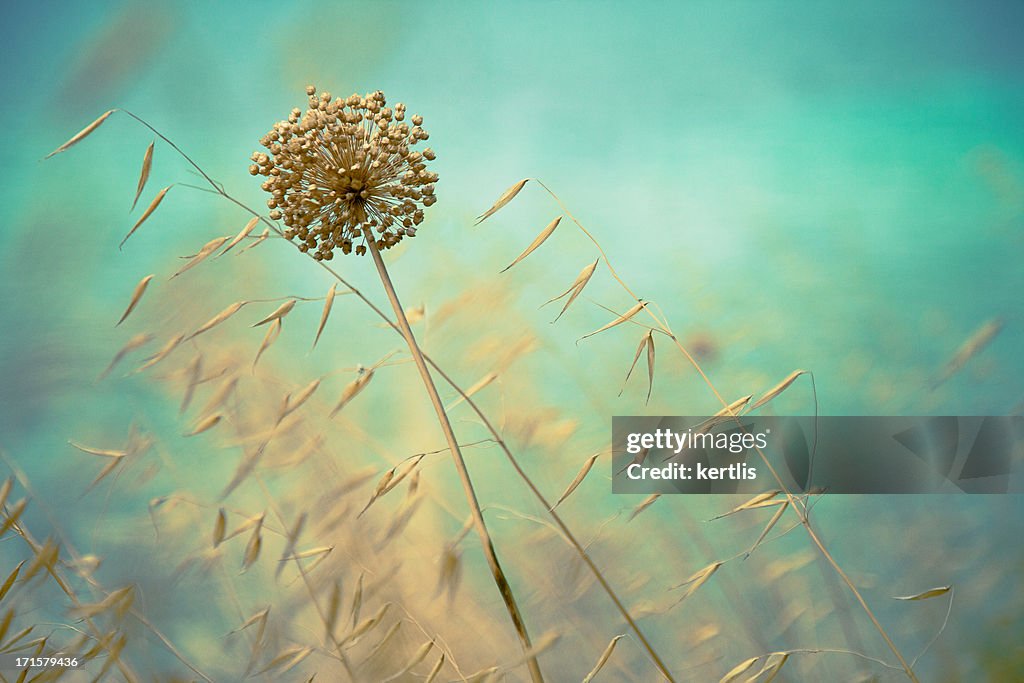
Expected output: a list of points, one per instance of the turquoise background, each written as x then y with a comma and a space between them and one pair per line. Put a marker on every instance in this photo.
831, 186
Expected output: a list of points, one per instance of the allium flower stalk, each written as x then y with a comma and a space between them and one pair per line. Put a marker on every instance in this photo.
344, 176
344, 170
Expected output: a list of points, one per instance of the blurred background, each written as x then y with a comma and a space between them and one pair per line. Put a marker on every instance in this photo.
826, 186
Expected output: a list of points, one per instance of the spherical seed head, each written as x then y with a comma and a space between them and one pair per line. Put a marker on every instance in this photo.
346, 169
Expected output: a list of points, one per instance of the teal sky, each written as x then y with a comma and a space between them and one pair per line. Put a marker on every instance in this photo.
793, 166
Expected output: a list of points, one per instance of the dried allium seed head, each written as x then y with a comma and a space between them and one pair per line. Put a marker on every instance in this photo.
345, 169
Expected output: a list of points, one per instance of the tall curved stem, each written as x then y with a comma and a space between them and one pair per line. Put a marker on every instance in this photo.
460, 464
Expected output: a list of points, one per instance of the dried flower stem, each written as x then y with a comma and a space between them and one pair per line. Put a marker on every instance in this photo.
460, 464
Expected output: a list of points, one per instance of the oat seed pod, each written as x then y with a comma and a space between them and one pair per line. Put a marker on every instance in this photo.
345, 165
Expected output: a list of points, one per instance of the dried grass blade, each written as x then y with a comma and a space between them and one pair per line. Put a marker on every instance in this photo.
147, 165
483, 675
383, 486
969, 349
9, 646
366, 625
328, 304
113, 655
292, 540
120, 601
208, 422
132, 344
647, 502
735, 407
140, 289
11, 578
414, 314
384, 641
5, 623
103, 452
269, 338
162, 353
580, 476
618, 321
244, 469
778, 388
771, 667
357, 600
219, 528
242, 234
451, 572
639, 349
45, 558
507, 196
293, 404
352, 390
725, 414
217, 400
249, 523
81, 135
208, 248
647, 341
931, 593
740, 668
650, 364
603, 659
107, 469
257, 242
195, 370
219, 318
755, 502
697, 580
432, 676
771, 524
416, 658
544, 643
400, 520
287, 660
312, 552
480, 384
257, 618
544, 234
280, 312
5, 490
333, 607
147, 213
577, 286
253, 547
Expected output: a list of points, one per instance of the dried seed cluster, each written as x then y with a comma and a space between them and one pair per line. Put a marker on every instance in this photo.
345, 169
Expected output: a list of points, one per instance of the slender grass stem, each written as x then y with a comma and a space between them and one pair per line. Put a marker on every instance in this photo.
460, 464
802, 514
